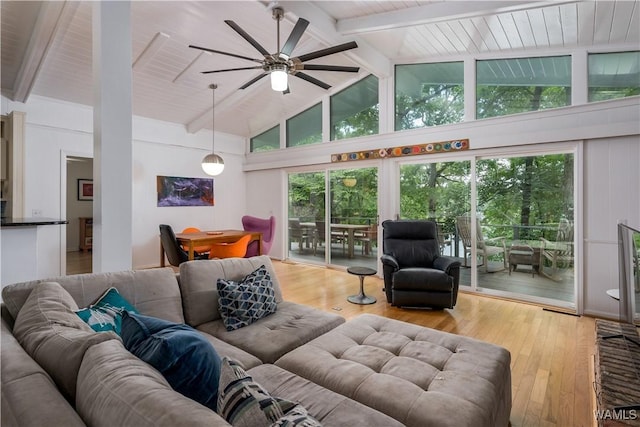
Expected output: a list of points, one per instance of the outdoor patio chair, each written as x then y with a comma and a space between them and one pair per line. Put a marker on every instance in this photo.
367, 238
558, 253
485, 248
336, 237
300, 234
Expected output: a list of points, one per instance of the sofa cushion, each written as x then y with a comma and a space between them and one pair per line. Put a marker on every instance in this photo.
245, 403
54, 336
242, 303
269, 338
106, 313
186, 359
328, 407
419, 376
153, 292
25, 382
198, 283
115, 388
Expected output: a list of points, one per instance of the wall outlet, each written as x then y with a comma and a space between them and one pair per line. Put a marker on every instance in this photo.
36, 212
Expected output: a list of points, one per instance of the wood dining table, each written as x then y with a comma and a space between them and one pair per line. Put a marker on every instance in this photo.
348, 230
204, 238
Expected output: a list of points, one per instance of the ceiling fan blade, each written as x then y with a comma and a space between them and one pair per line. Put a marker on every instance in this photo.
328, 51
294, 37
231, 69
252, 81
225, 53
316, 67
247, 37
313, 80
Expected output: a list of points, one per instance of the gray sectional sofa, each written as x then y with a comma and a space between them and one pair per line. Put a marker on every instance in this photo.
370, 371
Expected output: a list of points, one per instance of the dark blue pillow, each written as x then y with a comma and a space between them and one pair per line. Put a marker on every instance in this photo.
186, 359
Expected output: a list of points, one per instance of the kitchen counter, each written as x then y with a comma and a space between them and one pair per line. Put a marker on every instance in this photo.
26, 250
29, 222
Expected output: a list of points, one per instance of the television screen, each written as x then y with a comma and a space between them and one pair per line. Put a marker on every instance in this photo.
629, 274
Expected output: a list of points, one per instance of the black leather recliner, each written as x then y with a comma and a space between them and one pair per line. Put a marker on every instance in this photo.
415, 274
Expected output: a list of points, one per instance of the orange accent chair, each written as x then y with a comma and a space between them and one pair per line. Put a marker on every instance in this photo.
199, 249
237, 249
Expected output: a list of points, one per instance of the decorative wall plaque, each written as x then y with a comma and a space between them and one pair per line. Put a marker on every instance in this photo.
407, 150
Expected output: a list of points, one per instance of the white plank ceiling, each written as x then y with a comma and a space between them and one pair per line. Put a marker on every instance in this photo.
46, 47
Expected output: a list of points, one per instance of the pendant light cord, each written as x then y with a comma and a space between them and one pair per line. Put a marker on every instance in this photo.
213, 87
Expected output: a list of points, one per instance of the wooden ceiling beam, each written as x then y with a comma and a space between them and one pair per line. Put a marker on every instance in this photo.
434, 13
53, 18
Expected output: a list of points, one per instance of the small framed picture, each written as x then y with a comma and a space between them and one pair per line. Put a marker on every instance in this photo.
85, 189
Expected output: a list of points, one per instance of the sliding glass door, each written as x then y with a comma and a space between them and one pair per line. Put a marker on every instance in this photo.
440, 192
333, 217
526, 209
520, 240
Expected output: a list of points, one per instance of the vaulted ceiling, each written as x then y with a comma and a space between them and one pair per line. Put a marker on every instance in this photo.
46, 48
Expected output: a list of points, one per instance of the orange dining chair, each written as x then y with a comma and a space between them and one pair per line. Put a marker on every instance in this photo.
236, 249
199, 249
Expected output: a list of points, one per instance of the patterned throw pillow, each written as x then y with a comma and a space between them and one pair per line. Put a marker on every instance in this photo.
242, 303
244, 403
106, 313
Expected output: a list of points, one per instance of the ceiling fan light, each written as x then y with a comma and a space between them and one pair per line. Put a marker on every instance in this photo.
279, 80
212, 164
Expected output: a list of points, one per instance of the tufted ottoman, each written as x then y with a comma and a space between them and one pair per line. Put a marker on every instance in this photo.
419, 376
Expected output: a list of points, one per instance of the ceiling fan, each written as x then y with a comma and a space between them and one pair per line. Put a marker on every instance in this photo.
280, 64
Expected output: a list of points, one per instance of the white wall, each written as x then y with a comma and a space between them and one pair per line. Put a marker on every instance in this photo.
55, 129
612, 193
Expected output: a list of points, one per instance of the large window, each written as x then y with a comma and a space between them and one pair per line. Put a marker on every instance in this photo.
510, 86
305, 128
613, 75
354, 111
429, 94
269, 140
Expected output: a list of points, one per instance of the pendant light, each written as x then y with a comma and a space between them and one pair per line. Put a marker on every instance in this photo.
212, 164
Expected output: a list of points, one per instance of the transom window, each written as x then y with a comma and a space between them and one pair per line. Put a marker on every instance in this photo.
429, 94
511, 86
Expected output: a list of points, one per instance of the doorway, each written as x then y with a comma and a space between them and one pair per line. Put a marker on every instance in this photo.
79, 213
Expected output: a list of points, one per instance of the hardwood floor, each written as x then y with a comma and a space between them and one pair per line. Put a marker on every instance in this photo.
78, 262
551, 353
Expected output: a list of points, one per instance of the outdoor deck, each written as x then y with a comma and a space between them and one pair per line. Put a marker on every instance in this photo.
520, 282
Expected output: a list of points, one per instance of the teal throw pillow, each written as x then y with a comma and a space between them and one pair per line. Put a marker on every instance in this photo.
242, 303
243, 402
183, 355
106, 313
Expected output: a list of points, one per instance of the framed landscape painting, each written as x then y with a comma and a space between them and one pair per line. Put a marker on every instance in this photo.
180, 191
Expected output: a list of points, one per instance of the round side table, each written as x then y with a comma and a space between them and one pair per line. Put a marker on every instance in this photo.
361, 272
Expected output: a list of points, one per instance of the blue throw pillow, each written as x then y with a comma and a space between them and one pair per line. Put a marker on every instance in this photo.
106, 313
183, 355
242, 303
